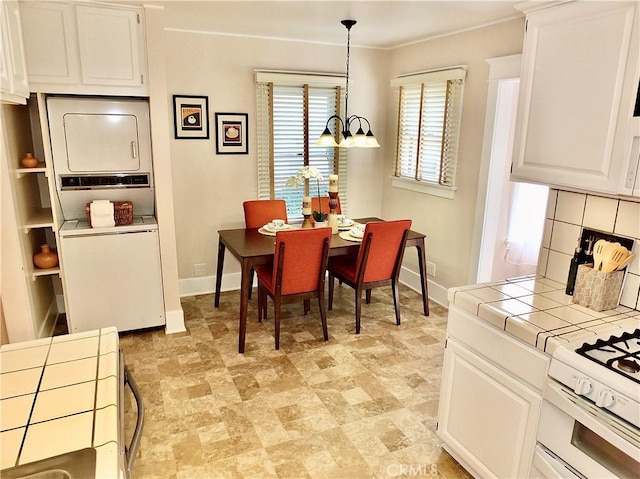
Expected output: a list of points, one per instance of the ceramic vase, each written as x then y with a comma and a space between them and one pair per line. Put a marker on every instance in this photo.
46, 258
320, 224
29, 161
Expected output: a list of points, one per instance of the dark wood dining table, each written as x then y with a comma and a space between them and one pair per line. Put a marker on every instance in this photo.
250, 248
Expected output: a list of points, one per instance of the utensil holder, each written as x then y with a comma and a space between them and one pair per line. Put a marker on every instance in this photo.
597, 290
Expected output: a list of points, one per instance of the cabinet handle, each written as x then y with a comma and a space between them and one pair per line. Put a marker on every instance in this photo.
134, 150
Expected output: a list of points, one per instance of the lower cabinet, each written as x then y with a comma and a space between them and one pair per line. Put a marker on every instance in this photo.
488, 415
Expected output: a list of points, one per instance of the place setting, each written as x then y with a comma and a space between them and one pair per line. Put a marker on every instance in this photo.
273, 226
353, 232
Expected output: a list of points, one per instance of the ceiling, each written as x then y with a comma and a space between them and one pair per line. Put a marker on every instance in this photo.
381, 24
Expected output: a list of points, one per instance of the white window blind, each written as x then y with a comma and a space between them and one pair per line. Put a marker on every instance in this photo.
292, 112
429, 108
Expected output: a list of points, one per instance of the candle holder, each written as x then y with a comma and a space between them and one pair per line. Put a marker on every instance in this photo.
307, 222
333, 211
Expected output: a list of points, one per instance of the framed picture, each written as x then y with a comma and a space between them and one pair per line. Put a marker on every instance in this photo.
231, 134
191, 117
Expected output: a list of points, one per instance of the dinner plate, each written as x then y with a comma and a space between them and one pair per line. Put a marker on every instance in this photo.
272, 229
345, 235
356, 234
346, 225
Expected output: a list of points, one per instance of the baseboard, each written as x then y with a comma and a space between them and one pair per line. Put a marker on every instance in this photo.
437, 292
174, 322
231, 282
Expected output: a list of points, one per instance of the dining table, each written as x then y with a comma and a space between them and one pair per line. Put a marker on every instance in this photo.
251, 247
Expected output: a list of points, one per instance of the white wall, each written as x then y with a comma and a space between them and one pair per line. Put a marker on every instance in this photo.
447, 223
209, 189
568, 213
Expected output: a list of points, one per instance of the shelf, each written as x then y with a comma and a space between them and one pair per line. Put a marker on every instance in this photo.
41, 168
41, 219
44, 272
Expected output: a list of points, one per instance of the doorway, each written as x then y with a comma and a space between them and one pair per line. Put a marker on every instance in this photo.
510, 216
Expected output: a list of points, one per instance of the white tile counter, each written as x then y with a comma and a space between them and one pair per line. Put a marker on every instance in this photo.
60, 395
537, 311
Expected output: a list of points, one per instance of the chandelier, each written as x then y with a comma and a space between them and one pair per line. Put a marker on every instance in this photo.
360, 139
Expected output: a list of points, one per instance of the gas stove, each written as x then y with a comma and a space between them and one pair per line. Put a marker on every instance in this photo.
605, 370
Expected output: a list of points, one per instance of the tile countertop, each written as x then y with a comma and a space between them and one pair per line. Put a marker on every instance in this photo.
536, 310
59, 395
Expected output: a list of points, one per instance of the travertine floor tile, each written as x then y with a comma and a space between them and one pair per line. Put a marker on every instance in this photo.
353, 407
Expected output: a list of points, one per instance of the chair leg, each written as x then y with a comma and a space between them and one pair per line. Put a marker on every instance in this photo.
396, 300
307, 306
250, 282
358, 309
263, 303
330, 280
276, 321
368, 295
323, 317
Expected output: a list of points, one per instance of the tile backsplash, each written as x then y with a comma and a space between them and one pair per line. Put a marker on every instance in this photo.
568, 213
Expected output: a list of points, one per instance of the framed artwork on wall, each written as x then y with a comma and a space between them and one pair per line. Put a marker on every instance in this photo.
191, 117
232, 134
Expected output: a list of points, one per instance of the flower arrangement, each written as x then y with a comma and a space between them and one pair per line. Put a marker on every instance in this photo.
301, 177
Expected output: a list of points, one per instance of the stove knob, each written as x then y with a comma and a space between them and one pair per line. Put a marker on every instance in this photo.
583, 386
606, 398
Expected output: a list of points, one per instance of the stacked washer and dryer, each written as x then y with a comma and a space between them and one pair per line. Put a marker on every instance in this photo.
112, 276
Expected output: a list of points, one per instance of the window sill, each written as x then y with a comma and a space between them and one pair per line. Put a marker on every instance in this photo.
424, 188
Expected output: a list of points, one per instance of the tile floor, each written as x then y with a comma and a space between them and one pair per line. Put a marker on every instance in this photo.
353, 407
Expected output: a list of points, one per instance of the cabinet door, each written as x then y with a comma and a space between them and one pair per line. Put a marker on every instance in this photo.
486, 418
574, 64
13, 70
50, 42
110, 46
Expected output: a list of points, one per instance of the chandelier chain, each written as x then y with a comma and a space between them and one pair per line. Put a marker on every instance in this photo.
346, 94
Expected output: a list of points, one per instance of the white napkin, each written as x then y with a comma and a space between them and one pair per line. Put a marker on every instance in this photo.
102, 214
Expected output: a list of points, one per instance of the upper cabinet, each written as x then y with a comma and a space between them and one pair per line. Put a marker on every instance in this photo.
84, 48
578, 87
13, 73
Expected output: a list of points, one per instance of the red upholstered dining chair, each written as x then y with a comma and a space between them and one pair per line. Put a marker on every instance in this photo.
297, 273
258, 213
377, 264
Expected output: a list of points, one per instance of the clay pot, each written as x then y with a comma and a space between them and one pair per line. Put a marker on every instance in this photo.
46, 258
29, 161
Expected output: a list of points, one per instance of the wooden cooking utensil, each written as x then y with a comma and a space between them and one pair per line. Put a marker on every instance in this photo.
626, 261
617, 256
598, 251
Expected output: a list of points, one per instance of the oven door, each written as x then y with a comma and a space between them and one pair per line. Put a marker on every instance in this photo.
588, 440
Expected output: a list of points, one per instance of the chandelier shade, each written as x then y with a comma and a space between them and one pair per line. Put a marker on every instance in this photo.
349, 140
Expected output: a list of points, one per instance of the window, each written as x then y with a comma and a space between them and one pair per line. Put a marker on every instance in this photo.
292, 112
429, 106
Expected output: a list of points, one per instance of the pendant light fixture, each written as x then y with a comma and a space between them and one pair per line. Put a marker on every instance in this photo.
360, 139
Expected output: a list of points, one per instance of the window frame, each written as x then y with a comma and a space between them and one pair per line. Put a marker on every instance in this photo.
266, 82
454, 78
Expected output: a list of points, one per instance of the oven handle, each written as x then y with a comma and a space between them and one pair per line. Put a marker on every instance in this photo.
132, 450
551, 466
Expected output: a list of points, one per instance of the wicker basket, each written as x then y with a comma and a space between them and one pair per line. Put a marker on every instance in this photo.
122, 212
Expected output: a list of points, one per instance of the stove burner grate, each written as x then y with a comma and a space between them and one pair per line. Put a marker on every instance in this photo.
620, 354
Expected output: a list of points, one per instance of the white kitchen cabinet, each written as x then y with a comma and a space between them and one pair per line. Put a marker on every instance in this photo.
578, 86
82, 48
14, 87
490, 398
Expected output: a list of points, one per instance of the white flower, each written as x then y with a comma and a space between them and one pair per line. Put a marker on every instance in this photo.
303, 174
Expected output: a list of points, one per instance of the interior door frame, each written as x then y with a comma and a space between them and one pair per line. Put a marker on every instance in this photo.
489, 185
